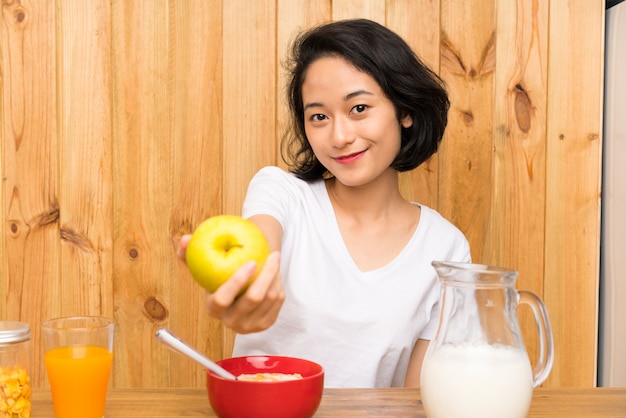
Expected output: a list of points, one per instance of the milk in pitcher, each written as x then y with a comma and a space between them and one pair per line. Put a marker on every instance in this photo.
476, 381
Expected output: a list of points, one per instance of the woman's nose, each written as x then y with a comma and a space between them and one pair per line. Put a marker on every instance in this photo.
343, 132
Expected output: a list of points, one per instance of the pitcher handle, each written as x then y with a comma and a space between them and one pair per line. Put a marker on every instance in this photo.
546, 342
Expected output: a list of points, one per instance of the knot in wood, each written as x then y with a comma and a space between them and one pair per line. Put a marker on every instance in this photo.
523, 109
468, 117
155, 309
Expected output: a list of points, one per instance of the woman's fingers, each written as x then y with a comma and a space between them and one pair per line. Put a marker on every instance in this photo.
264, 315
258, 307
258, 290
181, 250
262, 301
224, 297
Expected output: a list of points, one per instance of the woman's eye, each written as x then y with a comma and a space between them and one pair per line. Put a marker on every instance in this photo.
318, 117
359, 108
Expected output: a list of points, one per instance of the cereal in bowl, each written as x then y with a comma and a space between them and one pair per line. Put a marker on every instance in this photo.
268, 377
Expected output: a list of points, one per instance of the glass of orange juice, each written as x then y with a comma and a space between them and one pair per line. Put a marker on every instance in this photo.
78, 354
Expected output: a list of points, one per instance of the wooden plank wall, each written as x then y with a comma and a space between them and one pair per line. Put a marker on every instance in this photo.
125, 123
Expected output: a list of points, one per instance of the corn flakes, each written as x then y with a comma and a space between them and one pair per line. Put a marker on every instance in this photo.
269, 377
14, 393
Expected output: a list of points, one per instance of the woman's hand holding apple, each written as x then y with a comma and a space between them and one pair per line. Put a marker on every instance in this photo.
258, 307
243, 310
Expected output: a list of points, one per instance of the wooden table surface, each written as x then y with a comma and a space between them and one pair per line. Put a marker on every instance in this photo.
391, 402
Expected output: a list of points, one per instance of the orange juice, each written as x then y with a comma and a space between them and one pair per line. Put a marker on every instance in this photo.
78, 377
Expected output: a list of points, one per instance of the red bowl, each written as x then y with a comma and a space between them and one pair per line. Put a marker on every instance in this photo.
285, 399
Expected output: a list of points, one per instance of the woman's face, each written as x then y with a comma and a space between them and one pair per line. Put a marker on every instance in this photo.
350, 123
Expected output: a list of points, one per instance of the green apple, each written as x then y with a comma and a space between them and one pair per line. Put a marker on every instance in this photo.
222, 244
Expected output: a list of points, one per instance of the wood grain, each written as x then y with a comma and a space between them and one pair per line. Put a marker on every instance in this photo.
294, 16
249, 98
31, 280
515, 237
142, 186
465, 161
196, 67
386, 402
351, 9
573, 187
85, 169
418, 23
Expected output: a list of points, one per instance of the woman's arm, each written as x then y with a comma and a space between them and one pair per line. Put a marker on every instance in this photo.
414, 370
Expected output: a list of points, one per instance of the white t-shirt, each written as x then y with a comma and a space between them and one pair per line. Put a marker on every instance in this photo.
360, 326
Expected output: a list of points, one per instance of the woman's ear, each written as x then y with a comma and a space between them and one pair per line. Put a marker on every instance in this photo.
406, 121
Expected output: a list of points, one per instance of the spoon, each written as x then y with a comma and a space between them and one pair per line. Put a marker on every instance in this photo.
167, 338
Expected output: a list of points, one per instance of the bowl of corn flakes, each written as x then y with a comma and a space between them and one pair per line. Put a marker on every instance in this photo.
266, 387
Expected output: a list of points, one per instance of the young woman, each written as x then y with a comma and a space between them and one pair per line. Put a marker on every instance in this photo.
349, 283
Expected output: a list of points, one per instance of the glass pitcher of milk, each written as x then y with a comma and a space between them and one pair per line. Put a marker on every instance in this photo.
477, 365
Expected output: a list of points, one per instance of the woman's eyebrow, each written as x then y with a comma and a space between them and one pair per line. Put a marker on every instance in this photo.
314, 104
357, 93
346, 98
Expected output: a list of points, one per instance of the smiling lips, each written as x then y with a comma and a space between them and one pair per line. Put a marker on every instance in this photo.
350, 158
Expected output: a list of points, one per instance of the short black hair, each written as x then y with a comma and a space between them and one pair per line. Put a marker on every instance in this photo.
413, 88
